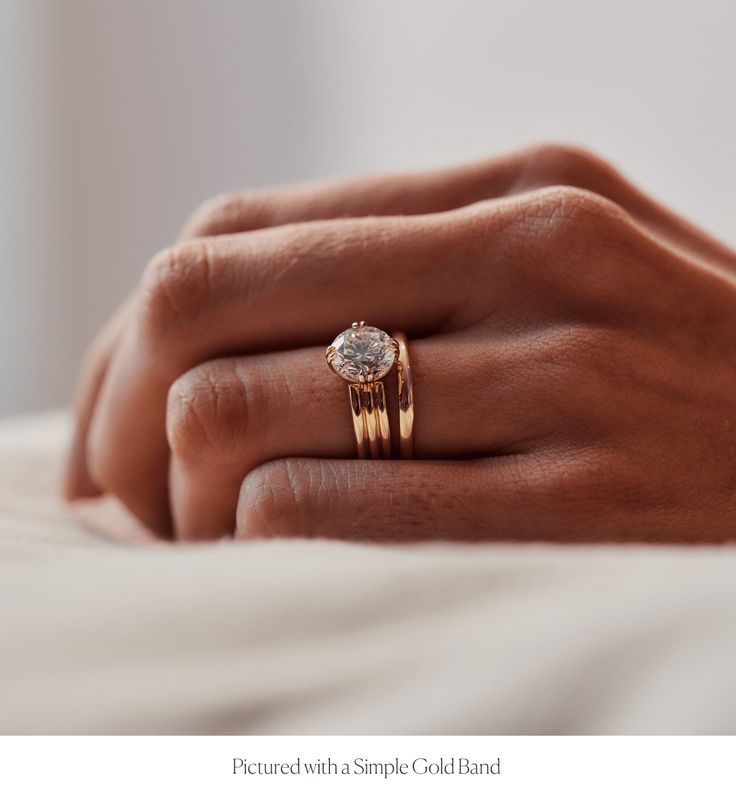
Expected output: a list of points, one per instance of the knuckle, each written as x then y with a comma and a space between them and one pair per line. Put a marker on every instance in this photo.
561, 212
272, 500
594, 243
207, 408
565, 202
229, 212
176, 286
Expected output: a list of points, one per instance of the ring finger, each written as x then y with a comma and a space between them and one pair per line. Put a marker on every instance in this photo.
228, 416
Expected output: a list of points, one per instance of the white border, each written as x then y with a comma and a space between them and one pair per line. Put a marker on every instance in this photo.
202, 765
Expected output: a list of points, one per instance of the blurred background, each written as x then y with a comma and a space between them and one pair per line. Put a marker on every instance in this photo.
118, 117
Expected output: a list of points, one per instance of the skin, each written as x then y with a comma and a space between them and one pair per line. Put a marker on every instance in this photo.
573, 349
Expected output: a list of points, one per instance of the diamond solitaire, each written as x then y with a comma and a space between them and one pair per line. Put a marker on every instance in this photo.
362, 354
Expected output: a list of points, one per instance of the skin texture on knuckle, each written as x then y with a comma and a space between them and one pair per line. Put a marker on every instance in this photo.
578, 252
175, 288
565, 210
554, 216
206, 408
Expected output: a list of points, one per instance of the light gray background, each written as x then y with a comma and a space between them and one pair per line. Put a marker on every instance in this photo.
117, 118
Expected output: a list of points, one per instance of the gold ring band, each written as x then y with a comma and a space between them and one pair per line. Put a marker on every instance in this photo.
370, 420
384, 428
359, 427
406, 397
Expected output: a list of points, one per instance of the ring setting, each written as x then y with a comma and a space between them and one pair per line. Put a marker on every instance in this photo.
362, 356
362, 353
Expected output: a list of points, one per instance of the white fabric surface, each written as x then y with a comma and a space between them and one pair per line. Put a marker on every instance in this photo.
99, 636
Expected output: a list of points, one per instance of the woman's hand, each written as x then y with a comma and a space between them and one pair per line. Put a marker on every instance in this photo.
573, 348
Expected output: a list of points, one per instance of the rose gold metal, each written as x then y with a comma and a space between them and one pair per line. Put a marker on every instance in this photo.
368, 411
406, 397
384, 429
359, 423
371, 421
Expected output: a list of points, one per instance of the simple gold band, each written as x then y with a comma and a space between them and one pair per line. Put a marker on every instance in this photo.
406, 397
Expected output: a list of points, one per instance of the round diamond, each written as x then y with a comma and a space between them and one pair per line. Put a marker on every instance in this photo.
362, 354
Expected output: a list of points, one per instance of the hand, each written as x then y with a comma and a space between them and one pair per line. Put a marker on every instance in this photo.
573, 348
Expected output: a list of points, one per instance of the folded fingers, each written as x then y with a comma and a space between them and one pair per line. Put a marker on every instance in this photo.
266, 208
297, 286
259, 292
523, 170
229, 416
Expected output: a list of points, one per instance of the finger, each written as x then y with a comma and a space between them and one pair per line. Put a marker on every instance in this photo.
391, 501
228, 416
253, 210
250, 211
274, 289
434, 191
558, 164
355, 197
565, 495
77, 480
296, 286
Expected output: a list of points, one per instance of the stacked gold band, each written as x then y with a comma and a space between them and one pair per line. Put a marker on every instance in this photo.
370, 420
363, 355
